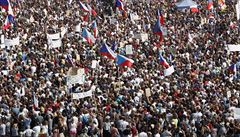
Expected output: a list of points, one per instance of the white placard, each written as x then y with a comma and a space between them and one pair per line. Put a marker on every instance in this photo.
78, 28
144, 37
2, 39
233, 47
236, 113
129, 50
168, 71
94, 63
82, 95
238, 10
75, 76
53, 36
55, 43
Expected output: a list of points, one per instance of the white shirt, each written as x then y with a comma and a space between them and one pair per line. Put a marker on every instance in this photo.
36, 130
3, 129
142, 134
28, 132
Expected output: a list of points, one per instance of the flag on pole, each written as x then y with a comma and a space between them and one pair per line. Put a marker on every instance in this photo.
124, 61
163, 61
158, 29
83, 7
88, 36
119, 4
6, 24
106, 51
94, 27
4, 4
160, 16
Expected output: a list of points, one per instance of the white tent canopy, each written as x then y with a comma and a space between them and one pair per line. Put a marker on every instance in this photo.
186, 4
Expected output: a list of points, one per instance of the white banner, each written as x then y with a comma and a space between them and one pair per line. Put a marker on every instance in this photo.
55, 43
53, 36
129, 50
233, 47
11, 42
236, 113
75, 76
82, 95
168, 71
238, 10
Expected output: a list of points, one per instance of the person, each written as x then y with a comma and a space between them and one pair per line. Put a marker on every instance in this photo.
43, 54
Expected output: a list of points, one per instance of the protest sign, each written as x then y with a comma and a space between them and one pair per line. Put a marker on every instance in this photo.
75, 75
129, 50
55, 43
236, 112
10, 42
94, 63
82, 95
233, 47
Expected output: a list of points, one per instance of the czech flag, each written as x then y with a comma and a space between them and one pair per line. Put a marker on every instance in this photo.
10, 14
95, 30
4, 4
210, 5
124, 61
88, 36
194, 8
6, 24
163, 61
91, 11
83, 7
114, 45
106, 51
160, 16
158, 29
119, 4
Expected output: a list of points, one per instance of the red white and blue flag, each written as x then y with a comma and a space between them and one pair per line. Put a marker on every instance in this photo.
83, 7
88, 36
124, 61
91, 10
6, 24
106, 51
119, 4
95, 30
158, 29
163, 61
160, 16
4, 4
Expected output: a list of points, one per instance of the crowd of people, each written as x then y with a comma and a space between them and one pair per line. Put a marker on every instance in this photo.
197, 100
